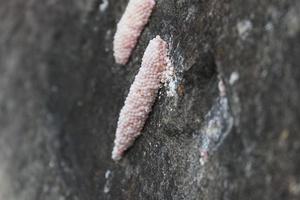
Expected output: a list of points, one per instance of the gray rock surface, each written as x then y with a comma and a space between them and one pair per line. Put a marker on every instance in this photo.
61, 93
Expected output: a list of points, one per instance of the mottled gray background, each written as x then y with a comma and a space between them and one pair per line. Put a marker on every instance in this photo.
61, 93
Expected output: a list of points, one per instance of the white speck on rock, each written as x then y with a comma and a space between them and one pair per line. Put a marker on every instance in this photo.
169, 79
294, 187
108, 177
234, 77
108, 34
171, 87
103, 6
269, 27
106, 189
107, 174
203, 156
191, 13
244, 27
222, 89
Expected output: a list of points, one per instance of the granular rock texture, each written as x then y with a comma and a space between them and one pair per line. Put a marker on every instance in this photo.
61, 93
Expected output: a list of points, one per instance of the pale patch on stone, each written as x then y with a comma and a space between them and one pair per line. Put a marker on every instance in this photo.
172, 87
108, 177
169, 79
269, 27
217, 125
244, 27
234, 77
222, 89
103, 6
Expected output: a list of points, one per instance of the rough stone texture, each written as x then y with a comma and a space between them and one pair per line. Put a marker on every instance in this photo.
61, 93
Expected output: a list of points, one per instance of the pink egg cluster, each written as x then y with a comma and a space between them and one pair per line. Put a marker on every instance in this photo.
141, 96
129, 28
